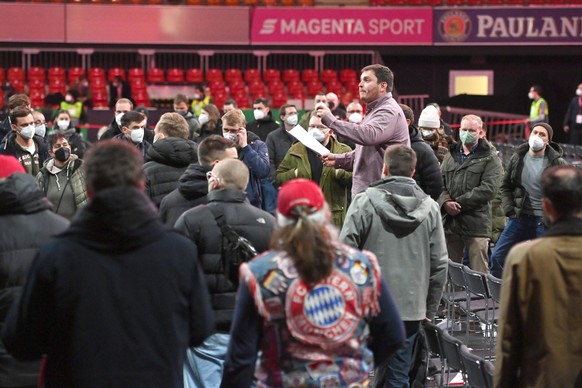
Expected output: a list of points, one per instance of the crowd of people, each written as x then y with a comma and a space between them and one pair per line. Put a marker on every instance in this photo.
117, 264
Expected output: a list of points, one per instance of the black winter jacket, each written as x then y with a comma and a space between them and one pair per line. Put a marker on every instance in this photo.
114, 301
9, 147
26, 222
192, 190
200, 225
263, 127
428, 172
166, 161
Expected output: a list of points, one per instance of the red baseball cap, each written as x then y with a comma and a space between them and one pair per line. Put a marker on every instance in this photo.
299, 192
9, 165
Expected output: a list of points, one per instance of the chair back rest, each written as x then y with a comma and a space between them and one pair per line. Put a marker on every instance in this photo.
456, 275
476, 282
474, 366
489, 371
452, 351
494, 285
433, 338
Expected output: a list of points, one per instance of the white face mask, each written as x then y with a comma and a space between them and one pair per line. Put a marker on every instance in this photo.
291, 120
356, 118
40, 130
203, 118
530, 96
230, 136
69, 98
63, 124
27, 132
118, 118
427, 133
259, 115
137, 135
536, 143
316, 133
578, 92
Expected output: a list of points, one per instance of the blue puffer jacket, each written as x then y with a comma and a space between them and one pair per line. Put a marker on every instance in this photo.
256, 157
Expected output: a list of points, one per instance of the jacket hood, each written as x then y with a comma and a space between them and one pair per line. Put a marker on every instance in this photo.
227, 195
399, 203
414, 134
116, 219
193, 183
173, 151
20, 194
554, 150
49, 164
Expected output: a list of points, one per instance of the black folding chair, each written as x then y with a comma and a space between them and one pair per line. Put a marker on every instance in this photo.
452, 349
475, 368
433, 339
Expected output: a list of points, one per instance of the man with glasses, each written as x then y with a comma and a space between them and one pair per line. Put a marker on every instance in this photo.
30, 150
226, 191
251, 150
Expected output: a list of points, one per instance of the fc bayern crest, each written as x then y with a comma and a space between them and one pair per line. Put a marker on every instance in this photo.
454, 26
328, 313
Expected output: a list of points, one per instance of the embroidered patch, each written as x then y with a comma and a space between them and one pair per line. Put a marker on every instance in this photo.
274, 282
328, 313
359, 272
330, 381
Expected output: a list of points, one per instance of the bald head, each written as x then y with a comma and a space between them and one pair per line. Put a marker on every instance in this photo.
231, 174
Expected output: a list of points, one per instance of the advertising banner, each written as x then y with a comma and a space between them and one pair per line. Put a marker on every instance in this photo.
341, 26
508, 26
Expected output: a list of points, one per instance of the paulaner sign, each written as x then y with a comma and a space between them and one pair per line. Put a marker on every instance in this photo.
495, 26
341, 26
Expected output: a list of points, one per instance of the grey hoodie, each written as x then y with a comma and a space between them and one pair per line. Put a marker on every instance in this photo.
402, 225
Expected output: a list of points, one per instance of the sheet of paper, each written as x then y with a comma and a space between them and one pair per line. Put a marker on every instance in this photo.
299, 133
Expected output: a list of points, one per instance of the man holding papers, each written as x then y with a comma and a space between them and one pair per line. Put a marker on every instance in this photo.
303, 161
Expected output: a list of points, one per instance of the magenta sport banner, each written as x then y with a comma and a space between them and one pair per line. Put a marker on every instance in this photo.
508, 26
341, 26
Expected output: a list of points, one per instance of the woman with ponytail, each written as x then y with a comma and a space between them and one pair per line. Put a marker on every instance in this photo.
318, 311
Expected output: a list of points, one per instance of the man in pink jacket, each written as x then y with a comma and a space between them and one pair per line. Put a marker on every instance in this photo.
383, 125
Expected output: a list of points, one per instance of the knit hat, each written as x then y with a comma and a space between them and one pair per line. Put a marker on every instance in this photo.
429, 118
298, 192
547, 127
9, 165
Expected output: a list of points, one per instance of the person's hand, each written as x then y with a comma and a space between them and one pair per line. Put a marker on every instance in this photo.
566, 128
452, 208
321, 109
427, 320
242, 138
328, 160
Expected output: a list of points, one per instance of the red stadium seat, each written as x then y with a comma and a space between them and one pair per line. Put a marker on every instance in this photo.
75, 73
100, 100
15, 73
115, 72
175, 75
37, 98
194, 75
36, 73
237, 85
57, 85
217, 86
140, 98
2, 76
276, 87
309, 75
252, 75
279, 99
18, 85
219, 98
213, 75
271, 75
256, 87
290, 75
306, 3
156, 75
231, 75
328, 75
243, 101
95, 73
334, 87
347, 75
294, 86
352, 87
314, 87
135, 73
36, 85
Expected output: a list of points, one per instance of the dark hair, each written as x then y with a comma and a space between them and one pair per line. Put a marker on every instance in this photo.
19, 111
62, 111
53, 139
17, 100
308, 244
562, 186
537, 89
282, 109
320, 94
132, 117
401, 160
383, 74
232, 102
199, 87
73, 93
261, 100
112, 163
213, 148
408, 113
181, 98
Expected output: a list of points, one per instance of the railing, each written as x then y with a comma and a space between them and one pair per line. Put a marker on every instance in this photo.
501, 127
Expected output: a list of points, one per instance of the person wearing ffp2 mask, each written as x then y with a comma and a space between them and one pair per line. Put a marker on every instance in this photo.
133, 126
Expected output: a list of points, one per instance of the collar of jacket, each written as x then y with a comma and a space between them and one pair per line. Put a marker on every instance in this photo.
483, 149
553, 150
378, 102
566, 226
226, 195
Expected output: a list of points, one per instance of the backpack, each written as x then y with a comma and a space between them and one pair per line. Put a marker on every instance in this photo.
418, 373
235, 249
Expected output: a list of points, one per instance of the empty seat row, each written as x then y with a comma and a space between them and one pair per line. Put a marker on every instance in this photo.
251, 3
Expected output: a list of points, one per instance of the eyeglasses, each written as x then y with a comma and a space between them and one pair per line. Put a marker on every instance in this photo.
210, 176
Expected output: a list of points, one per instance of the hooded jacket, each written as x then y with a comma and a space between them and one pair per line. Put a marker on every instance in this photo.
26, 223
513, 194
191, 191
166, 161
428, 173
114, 301
72, 172
473, 185
402, 225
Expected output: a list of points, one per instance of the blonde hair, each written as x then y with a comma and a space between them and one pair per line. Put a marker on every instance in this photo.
172, 124
235, 117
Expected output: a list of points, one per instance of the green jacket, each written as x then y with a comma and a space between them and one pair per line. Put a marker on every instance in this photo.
473, 185
76, 174
334, 182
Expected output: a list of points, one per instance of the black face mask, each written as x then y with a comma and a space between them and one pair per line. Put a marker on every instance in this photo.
330, 104
62, 154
